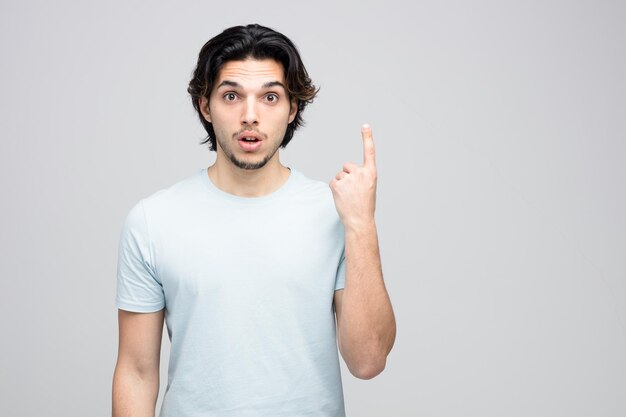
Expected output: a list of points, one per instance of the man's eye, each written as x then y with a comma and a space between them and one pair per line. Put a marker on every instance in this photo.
272, 97
230, 96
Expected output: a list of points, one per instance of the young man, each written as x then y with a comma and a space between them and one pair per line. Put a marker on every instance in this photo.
249, 261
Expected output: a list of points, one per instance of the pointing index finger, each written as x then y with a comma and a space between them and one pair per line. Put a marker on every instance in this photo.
368, 146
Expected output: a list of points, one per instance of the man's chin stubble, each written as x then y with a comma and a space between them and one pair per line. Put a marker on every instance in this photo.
249, 165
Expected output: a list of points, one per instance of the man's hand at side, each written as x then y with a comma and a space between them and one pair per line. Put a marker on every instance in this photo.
136, 377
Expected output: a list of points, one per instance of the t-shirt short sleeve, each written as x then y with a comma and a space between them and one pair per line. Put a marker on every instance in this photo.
340, 279
138, 288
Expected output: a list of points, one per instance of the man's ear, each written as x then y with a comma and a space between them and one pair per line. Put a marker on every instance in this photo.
293, 109
204, 108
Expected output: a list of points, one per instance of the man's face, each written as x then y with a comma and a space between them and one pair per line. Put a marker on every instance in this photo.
249, 100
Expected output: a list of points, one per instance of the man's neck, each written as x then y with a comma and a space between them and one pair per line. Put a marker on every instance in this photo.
248, 182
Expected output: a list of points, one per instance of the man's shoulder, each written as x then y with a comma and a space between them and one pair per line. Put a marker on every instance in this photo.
313, 191
315, 195
165, 198
311, 185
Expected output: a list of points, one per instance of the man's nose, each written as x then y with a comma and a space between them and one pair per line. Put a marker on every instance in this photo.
250, 112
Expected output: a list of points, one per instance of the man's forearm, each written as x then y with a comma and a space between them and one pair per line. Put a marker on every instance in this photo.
134, 395
368, 326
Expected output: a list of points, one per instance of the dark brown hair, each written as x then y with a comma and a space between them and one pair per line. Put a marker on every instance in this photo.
257, 42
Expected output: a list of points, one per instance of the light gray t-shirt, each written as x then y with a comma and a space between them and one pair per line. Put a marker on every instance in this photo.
247, 284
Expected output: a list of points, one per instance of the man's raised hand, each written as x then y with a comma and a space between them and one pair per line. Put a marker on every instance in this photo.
354, 188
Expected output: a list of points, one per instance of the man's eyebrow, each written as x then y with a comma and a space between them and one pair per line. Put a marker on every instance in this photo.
228, 83
237, 85
273, 83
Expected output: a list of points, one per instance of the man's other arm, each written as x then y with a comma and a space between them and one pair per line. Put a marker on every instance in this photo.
366, 325
136, 376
